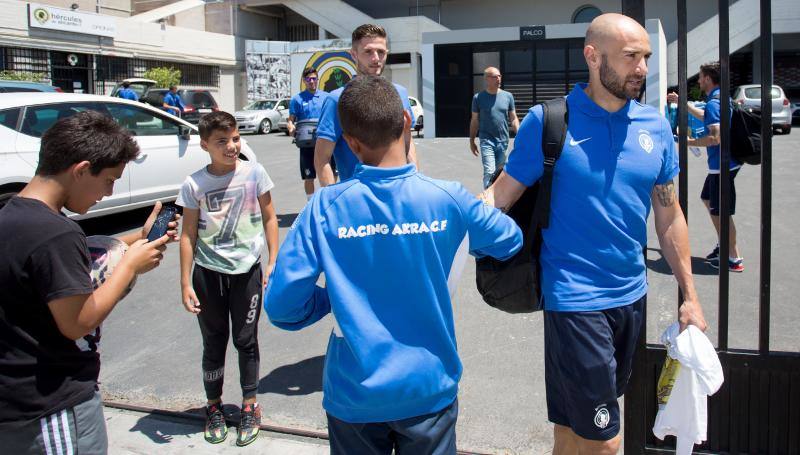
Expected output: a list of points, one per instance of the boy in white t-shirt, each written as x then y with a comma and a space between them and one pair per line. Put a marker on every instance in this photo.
227, 211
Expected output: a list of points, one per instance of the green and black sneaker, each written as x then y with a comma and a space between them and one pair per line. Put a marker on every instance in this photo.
250, 424
216, 429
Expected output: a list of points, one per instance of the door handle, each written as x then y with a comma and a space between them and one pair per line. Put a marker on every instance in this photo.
140, 158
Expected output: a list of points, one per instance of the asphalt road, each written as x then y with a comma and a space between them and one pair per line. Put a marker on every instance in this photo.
151, 346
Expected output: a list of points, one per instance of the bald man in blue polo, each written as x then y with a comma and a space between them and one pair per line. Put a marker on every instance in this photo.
617, 164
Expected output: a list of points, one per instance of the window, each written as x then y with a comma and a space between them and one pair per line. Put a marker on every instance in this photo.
201, 99
8, 118
284, 104
39, 119
755, 93
142, 122
585, 14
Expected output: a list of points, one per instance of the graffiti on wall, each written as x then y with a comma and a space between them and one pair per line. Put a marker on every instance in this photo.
268, 76
335, 69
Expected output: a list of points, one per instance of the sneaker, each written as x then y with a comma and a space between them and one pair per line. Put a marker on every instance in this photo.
714, 255
250, 424
734, 264
216, 429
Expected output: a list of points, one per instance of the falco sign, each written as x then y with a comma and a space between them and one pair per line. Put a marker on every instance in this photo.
50, 18
532, 32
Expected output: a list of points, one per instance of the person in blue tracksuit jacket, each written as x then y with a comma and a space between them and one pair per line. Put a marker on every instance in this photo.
387, 241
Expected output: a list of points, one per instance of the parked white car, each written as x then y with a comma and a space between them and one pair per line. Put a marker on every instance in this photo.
416, 108
170, 147
262, 116
749, 96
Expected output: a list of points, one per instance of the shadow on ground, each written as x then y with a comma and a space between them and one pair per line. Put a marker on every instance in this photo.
301, 378
660, 265
161, 430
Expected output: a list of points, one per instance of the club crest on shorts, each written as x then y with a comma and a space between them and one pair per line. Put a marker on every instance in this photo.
602, 417
645, 141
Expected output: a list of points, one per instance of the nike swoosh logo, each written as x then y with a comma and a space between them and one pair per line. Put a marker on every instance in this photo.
573, 142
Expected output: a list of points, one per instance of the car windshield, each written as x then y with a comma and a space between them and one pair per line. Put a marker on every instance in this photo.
755, 93
260, 105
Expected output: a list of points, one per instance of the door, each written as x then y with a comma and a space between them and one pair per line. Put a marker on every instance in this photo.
165, 159
70, 72
38, 119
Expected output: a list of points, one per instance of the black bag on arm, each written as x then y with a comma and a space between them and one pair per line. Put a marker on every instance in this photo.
745, 134
513, 285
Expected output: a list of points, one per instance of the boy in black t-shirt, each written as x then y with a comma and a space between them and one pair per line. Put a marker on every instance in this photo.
48, 382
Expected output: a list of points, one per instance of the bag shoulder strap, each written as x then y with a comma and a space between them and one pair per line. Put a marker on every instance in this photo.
554, 130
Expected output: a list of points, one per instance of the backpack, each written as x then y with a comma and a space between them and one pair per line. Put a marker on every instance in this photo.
745, 134
513, 285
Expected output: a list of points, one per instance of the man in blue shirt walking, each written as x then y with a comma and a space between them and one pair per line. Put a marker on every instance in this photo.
492, 110
710, 115
369, 51
618, 156
172, 102
387, 240
307, 105
127, 92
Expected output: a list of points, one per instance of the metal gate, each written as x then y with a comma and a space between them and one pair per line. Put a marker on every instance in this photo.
757, 410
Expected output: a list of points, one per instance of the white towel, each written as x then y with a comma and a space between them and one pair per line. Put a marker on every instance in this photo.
686, 415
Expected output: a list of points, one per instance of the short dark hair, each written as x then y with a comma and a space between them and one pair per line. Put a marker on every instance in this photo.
173, 87
219, 120
371, 111
711, 69
126, 84
309, 70
368, 31
86, 136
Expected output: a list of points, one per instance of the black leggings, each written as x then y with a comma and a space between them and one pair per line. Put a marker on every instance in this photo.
221, 297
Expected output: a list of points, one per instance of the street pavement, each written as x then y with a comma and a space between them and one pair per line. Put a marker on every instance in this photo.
152, 348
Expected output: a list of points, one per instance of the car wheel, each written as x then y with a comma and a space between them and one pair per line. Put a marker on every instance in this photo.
5, 197
265, 127
786, 129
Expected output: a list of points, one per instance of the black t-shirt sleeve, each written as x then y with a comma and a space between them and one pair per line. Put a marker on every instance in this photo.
60, 267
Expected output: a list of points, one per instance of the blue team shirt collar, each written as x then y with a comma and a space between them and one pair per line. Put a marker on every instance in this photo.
712, 94
579, 99
365, 172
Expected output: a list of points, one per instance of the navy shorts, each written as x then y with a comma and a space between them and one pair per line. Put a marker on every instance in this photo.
710, 192
307, 170
588, 362
431, 434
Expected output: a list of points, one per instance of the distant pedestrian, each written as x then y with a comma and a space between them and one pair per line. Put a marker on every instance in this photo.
173, 102
127, 92
493, 113
307, 105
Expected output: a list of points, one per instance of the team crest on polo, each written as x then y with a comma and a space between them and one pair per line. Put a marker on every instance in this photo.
645, 141
602, 417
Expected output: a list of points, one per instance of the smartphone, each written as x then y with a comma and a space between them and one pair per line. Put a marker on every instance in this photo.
160, 227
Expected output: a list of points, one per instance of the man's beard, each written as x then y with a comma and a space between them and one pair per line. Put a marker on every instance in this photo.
614, 83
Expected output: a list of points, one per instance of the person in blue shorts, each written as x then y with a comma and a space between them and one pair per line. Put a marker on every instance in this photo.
307, 105
618, 156
387, 240
369, 52
127, 92
710, 115
492, 111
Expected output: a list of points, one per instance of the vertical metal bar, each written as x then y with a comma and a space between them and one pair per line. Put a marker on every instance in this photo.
766, 177
683, 118
634, 9
724, 171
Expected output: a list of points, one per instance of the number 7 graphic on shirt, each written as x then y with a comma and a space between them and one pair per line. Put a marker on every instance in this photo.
234, 197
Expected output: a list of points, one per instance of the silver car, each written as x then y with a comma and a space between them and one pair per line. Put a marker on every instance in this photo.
261, 116
749, 96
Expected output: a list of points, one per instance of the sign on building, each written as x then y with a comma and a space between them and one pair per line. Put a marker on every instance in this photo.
51, 18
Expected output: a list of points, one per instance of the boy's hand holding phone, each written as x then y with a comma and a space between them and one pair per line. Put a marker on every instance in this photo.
162, 221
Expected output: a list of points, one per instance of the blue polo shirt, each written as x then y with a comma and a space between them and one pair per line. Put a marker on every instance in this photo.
592, 253
173, 99
711, 116
128, 94
493, 114
306, 105
330, 129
